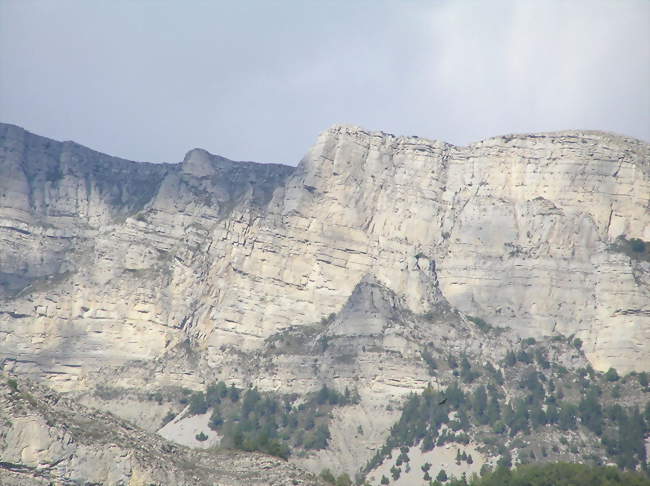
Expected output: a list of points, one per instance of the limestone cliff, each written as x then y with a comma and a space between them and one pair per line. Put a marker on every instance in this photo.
140, 276
104, 260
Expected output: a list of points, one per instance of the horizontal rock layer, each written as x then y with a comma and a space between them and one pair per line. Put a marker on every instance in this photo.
103, 260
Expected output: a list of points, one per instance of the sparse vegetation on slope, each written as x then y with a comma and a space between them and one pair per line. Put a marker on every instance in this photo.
558, 474
278, 425
527, 409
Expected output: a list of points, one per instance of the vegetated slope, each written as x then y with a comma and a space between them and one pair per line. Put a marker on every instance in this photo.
45, 437
527, 408
483, 395
357, 269
560, 474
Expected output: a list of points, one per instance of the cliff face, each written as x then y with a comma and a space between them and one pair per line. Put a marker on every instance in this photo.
342, 270
104, 260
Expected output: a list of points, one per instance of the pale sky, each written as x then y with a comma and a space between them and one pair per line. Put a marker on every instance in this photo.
259, 80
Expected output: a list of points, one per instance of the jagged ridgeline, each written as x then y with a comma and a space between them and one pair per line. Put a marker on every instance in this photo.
483, 305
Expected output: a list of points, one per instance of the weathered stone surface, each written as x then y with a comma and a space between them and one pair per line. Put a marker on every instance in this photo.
105, 260
143, 276
44, 437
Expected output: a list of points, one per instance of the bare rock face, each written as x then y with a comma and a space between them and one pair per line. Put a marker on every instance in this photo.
104, 260
120, 260
47, 439
143, 276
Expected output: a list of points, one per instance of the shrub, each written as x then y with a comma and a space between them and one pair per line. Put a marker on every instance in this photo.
431, 363
480, 323
216, 420
168, 418
343, 480
327, 476
319, 438
201, 437
637, 245
612, 375
198, 404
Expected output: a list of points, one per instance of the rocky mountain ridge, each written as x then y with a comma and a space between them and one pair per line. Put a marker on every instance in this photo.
343, 270
253, 249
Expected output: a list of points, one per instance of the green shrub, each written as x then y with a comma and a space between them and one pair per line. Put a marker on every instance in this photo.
431, 363
637, 245
327, 476
198, 404
168, 418
611, 375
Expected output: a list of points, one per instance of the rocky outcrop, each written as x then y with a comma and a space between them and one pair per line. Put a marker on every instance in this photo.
142, 276
47, 439
118, 260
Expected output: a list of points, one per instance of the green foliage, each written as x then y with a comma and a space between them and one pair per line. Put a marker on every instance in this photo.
559, 398
560, 474
442, 476
591, 413
567, 419
467, 374
510, 359
634, 248
215, 393
431, 363
637, 245
198, 404
327, 476
524, 357
480, 323
332, 397
216, 420
319, 438
168, 418
254, 421
531, 382
201, 437
344, 480
505, 461
612, 375
13, 385
233, 393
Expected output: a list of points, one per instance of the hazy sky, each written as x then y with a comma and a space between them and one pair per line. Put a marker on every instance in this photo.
258, 80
